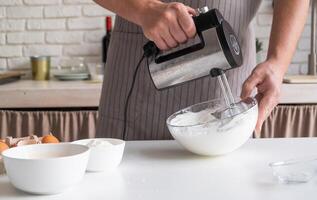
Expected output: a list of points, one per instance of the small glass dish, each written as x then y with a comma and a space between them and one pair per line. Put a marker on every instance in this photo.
295, 170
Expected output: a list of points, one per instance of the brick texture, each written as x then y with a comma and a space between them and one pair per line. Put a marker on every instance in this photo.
10, 51
42, 2
50, 50
62, 11
67, 29
46, 24
24, 12
63, 29
64, 37
263, 27
25, 38
10, 2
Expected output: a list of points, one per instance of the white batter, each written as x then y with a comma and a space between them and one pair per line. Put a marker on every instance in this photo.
203, 134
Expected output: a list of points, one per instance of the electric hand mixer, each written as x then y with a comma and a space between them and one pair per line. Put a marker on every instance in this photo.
214, 50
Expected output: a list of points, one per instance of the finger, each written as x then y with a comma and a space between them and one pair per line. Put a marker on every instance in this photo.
252, 81
168, 38
161, 44
191, 11
258, 97
177, 32
266, 105
186, 22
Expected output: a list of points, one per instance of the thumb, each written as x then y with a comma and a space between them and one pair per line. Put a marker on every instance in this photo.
249, 85
265, 108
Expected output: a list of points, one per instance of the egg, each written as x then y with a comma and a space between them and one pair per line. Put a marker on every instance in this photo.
3, 146
49, 139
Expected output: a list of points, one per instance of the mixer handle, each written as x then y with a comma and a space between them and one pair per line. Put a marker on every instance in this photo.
182, 52
203, 21
210, 19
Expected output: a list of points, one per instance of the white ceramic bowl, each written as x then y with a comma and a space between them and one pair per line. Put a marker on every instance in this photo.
104, 158
217, 136
46, 168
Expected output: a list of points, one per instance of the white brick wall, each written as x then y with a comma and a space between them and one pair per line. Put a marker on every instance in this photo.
10, 51
2, 12
3, 63
24, 12
263, 26
46, 24
12, 25
74, 28
10, 2
62, 11
62, 37
2, 38
63, 29
52, 50
85, 23
41, 2
25, 38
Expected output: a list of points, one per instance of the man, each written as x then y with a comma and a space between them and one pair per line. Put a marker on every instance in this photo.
169, 24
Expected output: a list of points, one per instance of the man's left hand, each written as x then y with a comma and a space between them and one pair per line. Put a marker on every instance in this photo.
267, 78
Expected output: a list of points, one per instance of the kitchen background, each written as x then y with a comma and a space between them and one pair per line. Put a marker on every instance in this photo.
74, 28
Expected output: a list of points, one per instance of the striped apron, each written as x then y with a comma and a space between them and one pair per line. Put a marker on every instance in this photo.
149, 108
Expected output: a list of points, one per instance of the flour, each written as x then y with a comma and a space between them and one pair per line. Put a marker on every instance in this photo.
98, 143
204, 134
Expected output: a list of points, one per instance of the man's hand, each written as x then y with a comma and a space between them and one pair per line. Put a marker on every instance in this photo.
267, 78
167, 24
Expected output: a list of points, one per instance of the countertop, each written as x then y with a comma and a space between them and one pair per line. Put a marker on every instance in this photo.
54, 94
49, 94
159, 170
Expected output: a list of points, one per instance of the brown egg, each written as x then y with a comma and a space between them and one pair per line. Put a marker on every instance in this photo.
49, 139
3, 146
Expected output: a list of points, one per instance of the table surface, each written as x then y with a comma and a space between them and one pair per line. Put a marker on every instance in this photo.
159, 170
55, 94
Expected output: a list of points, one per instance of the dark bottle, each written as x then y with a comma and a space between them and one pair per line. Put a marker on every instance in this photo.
106, 39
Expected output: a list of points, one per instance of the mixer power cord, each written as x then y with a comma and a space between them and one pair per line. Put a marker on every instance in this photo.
127, 101
149, 50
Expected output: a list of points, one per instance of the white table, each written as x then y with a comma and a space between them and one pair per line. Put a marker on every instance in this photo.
157, 170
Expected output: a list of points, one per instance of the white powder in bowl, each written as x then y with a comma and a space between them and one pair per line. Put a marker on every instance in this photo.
98, 143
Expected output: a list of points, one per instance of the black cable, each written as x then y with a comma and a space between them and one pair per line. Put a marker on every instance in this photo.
126, 105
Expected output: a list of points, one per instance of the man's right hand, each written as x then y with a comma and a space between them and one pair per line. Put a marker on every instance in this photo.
167, 24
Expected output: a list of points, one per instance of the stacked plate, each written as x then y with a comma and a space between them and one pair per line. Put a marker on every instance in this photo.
71, 76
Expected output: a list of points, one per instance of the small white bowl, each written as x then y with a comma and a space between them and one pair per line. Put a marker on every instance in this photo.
104, 158
46, 168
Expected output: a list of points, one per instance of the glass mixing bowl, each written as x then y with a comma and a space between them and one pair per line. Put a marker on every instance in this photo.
211, 129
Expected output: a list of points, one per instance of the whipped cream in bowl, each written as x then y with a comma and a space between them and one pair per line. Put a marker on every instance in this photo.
211, 128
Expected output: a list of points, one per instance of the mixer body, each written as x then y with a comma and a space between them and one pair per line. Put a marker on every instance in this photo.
214, 46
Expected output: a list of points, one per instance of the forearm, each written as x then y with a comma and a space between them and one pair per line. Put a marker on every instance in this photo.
288, 23
128, 9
